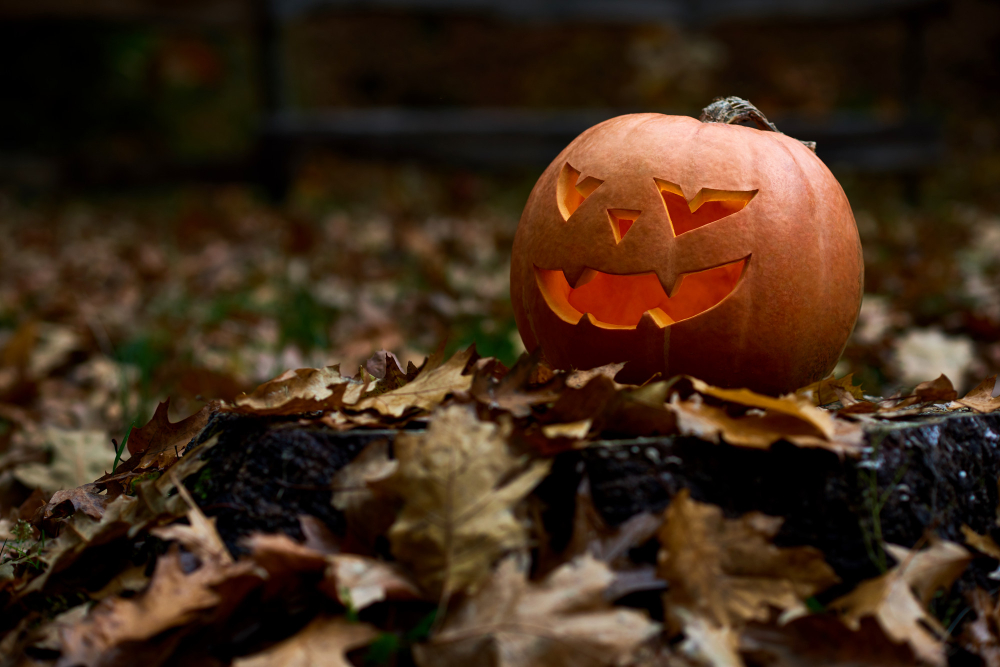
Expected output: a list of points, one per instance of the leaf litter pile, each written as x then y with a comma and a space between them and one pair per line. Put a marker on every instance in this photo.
429, 513
440, 555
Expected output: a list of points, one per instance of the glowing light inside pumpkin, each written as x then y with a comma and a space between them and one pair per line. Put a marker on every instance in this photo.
707, 206
570, 191
620, 301
621, 221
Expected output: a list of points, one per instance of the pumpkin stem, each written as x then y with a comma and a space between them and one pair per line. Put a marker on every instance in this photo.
731, 110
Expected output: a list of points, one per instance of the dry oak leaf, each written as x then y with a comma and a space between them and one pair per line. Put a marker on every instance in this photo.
199, 536
434, 382
322, 643
299, 391
459, 483
578, 379
81, 499
355, 581
160, 442
984, 398
898, 598
359, 582
123, 516
562, 621
707, 414
174, 598
728, 571
513, 392
939, 390
830, 390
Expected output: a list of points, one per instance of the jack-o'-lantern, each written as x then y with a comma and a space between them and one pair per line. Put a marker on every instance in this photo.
701, 247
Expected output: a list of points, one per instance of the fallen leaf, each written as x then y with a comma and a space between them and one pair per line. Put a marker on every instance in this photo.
821, 640
982, 636
78, 458
368, 513
434, 382
984, 398
981, 543
514, 392
890, 600
154, 503
760, 428
279, 554
939, 390
160, 442
384, 363
459, 484
200, 536
591, 535
563, 620
728, 571
830, 390
613, 410
358, 582
323, 642
706, 642
174, 598
81, 499
297, 392
578, 379
574, 430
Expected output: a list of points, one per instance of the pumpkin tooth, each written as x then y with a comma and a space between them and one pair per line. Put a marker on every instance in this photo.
657, 317
578, 277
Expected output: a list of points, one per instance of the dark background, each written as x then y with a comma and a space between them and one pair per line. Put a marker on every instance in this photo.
205, 193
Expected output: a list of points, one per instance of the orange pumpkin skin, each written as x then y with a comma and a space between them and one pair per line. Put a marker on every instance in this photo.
759, 208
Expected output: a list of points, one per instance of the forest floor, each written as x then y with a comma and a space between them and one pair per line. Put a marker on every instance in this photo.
119, 538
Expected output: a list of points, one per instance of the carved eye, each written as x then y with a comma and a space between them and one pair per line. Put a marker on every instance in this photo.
622, 220
707, 206
570, 193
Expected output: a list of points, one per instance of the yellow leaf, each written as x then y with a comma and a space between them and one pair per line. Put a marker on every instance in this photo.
890, 600
322, 642
459, 483
434, 382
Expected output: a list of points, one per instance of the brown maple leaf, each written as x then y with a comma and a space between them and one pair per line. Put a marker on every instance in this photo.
562, 621
728, 569
323, 642
459, 483
160, 442
427, 390
897, 599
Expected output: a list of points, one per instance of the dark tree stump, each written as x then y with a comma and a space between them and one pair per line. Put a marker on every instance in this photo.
927, 476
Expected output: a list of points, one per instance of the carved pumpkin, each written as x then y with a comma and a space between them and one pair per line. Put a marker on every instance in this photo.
680, 246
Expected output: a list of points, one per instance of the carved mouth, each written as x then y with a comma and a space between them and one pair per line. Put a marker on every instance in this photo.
620, 301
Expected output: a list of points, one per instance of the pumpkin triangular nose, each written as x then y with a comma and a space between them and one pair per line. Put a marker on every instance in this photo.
622, 220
